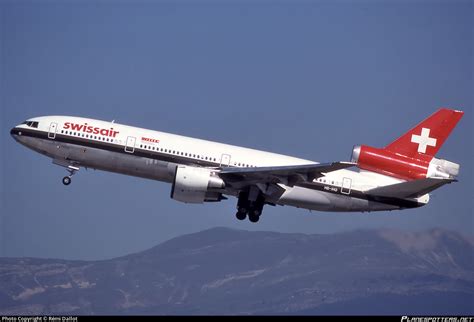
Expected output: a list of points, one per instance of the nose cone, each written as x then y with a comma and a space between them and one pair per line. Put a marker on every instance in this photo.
15, 133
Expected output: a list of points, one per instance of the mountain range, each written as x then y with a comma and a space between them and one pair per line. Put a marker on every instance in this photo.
226, 271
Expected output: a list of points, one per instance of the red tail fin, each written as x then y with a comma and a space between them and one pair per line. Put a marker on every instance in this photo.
428, 136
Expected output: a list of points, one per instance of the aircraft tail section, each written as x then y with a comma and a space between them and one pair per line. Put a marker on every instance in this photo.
428, 136
411, 156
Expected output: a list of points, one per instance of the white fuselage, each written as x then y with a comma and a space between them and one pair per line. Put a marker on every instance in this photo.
82, 142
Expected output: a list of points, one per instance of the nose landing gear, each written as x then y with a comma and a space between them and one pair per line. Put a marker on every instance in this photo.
72, 171
67, 180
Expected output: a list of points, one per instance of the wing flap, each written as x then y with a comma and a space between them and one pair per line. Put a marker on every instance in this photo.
409, 189
282, 174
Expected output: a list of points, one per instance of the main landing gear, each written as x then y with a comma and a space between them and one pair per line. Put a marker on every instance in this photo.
246, 205
68, 179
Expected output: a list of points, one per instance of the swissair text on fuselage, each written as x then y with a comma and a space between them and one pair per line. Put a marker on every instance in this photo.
90, 129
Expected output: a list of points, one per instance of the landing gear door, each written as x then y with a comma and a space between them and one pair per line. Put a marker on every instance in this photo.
130, 146
225, 160
346, 186
52, 130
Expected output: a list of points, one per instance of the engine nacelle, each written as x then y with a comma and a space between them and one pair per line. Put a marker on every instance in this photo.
443, 168
196, 185
389, 163
400, 166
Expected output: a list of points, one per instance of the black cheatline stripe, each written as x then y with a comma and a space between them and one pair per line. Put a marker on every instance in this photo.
174, 182
104, 145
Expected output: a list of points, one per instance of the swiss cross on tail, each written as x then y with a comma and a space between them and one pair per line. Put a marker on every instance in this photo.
428, 136
423, 140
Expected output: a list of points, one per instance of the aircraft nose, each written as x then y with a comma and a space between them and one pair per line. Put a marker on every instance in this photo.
15, 131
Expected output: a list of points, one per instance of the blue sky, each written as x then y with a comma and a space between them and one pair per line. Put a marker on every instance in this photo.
309, 79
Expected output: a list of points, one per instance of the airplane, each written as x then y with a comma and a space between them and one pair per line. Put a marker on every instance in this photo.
399, 176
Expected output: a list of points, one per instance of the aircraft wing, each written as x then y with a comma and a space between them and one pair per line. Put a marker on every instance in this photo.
409, 189
288, 175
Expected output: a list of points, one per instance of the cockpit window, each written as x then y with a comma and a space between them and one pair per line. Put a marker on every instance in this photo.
31, 124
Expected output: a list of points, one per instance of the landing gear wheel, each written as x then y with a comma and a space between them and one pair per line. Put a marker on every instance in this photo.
242, 210
256, 212
241, 215
253, 218
66, 181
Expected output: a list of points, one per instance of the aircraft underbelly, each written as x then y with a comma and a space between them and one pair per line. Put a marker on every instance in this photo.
108, 161
301, 197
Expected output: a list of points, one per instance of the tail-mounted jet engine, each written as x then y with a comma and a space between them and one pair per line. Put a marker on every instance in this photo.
397, 165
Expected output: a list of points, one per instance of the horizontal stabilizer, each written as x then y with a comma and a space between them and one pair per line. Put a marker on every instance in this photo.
409, 189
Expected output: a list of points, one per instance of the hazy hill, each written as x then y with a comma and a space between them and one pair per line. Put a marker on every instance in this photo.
225, 271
